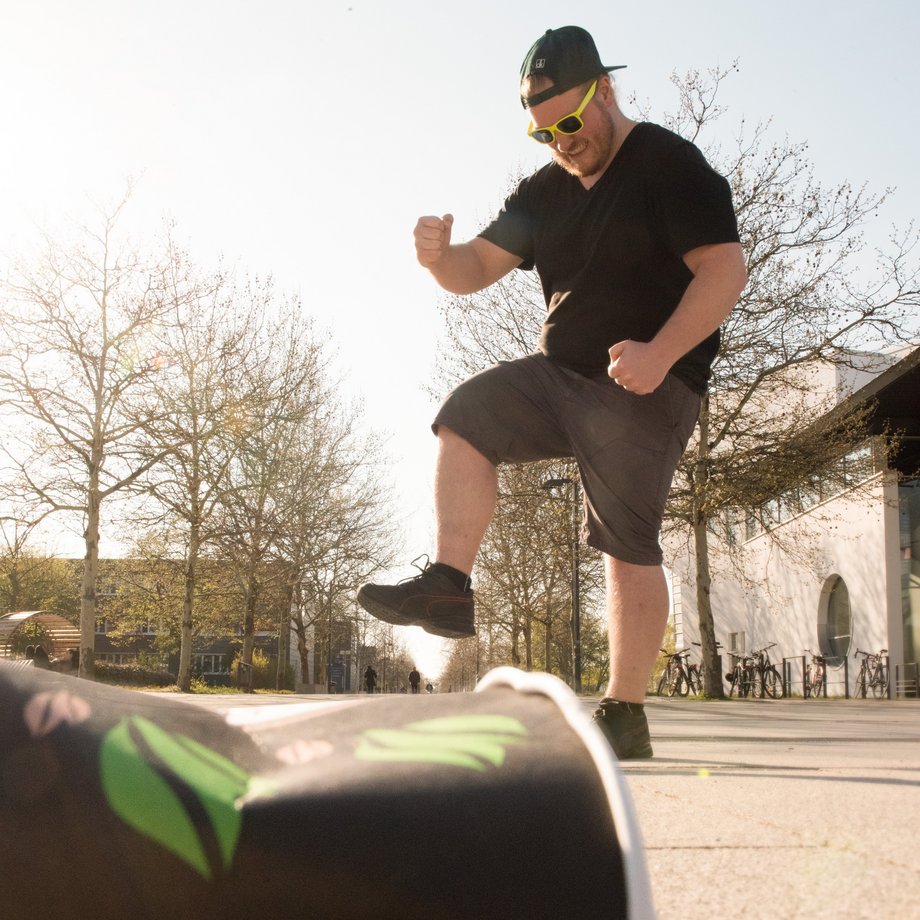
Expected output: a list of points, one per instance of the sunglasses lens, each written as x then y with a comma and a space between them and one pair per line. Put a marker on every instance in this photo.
571, 125
543, 135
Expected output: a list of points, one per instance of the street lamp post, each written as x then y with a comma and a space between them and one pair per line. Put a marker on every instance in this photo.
549, 485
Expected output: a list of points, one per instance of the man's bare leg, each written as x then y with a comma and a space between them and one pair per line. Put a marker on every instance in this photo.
637, 613
465, 490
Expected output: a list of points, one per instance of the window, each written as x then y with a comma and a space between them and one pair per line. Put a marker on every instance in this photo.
116, 657
736, 643
855, 467
209, 664
835, 621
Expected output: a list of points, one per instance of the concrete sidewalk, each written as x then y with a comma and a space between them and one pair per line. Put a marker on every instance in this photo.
789, 809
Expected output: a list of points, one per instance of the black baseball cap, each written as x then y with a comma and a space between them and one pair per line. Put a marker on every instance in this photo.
567, 56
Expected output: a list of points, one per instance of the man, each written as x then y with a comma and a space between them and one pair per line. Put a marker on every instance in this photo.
414, 679
370, 679
635, 241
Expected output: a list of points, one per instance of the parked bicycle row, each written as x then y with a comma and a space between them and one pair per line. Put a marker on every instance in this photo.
754, 674
871, 680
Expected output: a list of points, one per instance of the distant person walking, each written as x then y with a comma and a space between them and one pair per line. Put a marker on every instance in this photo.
414, 680
370, 679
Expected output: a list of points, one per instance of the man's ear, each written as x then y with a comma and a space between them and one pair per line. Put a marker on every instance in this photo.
605, 89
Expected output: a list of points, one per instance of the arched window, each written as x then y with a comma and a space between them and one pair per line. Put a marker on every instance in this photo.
835, 621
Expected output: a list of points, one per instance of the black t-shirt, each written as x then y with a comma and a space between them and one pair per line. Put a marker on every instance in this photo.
609, 257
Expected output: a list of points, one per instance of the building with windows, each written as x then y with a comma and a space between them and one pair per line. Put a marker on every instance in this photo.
834, 572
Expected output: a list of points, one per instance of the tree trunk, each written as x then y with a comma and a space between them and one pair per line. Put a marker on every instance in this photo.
528, 643
515, 641
249, 618
300, 628
184, 677
90, 572
711, 669
284, 635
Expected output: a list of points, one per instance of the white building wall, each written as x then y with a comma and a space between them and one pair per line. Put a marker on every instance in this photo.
775, 589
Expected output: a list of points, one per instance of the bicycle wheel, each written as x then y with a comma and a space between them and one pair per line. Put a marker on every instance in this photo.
861, 684
676, 685
662, 687
772, 683
734, 688
744, 684
696, 682
683, 685
879, 685
756, 680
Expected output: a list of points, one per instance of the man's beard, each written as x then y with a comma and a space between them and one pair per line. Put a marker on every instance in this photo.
599, 149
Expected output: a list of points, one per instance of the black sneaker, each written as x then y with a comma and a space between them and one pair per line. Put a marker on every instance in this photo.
430, 600
627, 731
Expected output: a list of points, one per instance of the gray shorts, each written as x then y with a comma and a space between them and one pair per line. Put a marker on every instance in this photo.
626, 446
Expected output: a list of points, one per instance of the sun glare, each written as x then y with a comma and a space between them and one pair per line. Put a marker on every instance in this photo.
429, 653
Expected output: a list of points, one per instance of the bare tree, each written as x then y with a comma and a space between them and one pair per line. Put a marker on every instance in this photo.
207, 411
292, 509
813, 297
339, 526
77, 365
527, 557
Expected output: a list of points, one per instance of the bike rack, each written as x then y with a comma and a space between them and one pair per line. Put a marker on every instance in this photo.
787, 674
846, 677
905, 686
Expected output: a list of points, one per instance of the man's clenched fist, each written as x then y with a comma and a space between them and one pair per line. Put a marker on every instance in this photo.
432, 237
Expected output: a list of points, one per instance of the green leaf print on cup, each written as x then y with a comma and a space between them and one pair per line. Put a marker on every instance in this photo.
156, 782
468, 741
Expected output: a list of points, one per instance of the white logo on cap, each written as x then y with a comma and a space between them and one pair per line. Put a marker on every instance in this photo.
538, 64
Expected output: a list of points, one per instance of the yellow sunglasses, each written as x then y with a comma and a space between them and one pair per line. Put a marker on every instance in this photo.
570, 124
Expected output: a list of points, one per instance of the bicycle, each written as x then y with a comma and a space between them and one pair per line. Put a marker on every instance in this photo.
873, 675
742, 676
815, 675
767, 681
680, 675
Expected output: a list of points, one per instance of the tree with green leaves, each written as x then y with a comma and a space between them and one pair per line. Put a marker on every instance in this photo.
30, 579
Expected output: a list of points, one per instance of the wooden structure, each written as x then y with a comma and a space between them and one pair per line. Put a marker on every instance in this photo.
60, 634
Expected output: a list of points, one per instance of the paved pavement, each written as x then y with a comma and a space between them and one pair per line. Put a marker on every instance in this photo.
787, 809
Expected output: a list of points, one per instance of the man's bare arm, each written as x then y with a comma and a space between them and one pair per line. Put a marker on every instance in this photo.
460, 268
719, 277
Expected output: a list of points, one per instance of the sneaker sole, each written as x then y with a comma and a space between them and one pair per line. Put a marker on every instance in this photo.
446, 626
448, 629
381, 611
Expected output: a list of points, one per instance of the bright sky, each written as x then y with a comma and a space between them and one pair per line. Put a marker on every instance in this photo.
303, 139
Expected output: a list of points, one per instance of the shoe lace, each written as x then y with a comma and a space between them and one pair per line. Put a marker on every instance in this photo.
421, 569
